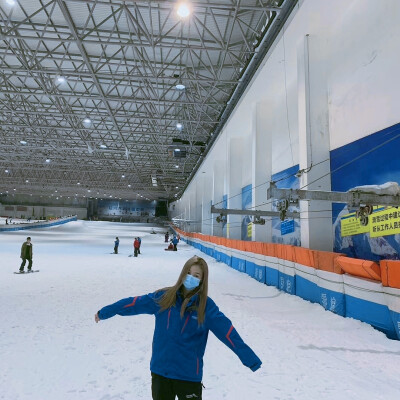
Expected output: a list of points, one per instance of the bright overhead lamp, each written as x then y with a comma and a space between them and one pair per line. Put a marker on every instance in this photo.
103, 146
89, 190
11, 2
78, 183
176, 166
27, 181
179, 125
177, 149
180, 86
48, 160
129, 185
61, 80
87, 121
122, 176
176, 187
183, 10
22, 141
6, 171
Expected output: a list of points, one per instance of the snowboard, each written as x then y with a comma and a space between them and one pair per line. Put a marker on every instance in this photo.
27, 272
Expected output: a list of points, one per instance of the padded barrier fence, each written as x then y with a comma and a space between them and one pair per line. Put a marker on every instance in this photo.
35, 225
360, 289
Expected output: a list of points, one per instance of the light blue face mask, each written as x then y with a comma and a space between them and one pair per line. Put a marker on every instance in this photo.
191, 282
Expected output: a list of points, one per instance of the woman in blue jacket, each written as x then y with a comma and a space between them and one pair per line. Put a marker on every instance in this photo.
184, 316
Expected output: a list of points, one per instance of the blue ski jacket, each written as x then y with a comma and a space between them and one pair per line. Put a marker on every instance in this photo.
179, 343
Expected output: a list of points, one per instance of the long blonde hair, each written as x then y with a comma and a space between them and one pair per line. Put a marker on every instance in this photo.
168, 299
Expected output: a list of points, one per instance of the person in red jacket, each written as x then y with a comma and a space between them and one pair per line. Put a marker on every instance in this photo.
136, 245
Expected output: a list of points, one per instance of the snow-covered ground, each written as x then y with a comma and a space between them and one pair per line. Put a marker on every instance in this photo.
51, 348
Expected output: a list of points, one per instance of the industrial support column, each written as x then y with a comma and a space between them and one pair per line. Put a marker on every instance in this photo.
218, 193
316, 216
206, 196
262, 168
235, 186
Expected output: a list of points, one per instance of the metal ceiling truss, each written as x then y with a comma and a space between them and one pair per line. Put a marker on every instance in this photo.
118, 63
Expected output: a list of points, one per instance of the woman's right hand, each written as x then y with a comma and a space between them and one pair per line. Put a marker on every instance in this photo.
96, 317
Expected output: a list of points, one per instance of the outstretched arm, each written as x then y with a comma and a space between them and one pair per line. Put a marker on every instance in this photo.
223, 329
130, 306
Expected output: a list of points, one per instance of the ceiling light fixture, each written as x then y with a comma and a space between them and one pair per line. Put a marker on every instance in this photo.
48, 160
183, 10
103, 146
179, 126
180, 86
22, 141
11, 2
61, 80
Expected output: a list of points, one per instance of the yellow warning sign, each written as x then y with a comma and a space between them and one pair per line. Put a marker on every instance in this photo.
386, 222
350, 225
249, 229
381, 222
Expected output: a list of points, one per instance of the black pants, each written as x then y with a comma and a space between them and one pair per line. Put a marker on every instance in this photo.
135, 253
175, 248
166, 389
115, 249
21, 268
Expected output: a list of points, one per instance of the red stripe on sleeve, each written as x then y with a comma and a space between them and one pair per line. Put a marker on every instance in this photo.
132, 304
227, 336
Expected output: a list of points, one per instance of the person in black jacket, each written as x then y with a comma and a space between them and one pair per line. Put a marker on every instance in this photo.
26, 254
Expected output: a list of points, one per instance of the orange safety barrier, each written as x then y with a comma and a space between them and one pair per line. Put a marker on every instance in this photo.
270, 249
390, 272
224, 242
363, 268
287, 252
326, 261
304, 256
255, 247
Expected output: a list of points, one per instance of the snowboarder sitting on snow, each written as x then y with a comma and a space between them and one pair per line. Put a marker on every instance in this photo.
116, 244
170, 247
184, 316
26, 254
136, 246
